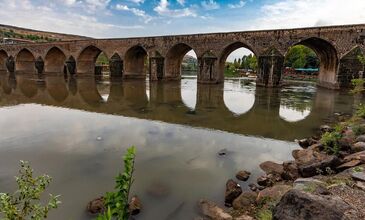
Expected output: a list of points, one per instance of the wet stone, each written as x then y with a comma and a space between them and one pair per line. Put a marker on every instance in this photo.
96, 206
233, 190
243, 175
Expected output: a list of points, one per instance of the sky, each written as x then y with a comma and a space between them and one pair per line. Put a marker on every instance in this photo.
127, 18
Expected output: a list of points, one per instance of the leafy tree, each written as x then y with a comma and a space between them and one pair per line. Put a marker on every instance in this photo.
301, 57
25, 202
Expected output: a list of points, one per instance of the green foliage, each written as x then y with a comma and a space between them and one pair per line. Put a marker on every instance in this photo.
358, 169
37, 38
301, 57
249, 62
25, 202
264, 214
102, 59
360, 112
361, 58
330, 142
358, 86
117, 201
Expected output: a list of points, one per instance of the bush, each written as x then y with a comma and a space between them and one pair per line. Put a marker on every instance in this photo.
117, 202
330, 142
25, 202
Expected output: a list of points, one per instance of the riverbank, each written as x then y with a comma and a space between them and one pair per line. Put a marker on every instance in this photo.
326, 180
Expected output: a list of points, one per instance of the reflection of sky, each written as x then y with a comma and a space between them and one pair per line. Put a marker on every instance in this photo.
238, 98
188, 92
82, 152
292, 115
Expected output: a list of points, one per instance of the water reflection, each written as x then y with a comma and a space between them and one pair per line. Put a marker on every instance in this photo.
77, 128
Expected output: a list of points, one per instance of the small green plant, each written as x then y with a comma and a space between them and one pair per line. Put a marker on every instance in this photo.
360, 112
330, 142
117, 201
264, 214
357, 169
25, 202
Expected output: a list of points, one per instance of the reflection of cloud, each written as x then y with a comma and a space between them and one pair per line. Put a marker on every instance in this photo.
292, 115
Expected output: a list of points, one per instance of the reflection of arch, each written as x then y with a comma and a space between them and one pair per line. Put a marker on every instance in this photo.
134, 62
27, 86
327, 55
174, 59
56, 87
86, 60
3, 58
54, 61
25, 61
71, 65
226, 52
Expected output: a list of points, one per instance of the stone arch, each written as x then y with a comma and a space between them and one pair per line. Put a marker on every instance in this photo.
116, 65
226, 52
350, 67
3, 59
328, 57
25, 61
87, 58
134, 62
54, 61
174, 59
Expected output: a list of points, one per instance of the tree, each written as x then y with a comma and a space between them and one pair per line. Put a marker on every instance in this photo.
301, 57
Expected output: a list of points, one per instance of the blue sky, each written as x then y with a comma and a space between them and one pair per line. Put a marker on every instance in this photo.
126, 18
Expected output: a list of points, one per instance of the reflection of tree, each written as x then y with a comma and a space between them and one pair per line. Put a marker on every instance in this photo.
297, 100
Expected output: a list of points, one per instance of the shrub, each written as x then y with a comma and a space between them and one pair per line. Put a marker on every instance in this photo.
25, 202
330, 142
117, 202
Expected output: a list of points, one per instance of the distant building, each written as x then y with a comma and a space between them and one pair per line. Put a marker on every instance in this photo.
7, 40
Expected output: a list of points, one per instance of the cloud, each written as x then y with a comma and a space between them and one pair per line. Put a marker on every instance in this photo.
210, 5
137, 1
181, 2
135, 11
163, 10
240, 4
309, 13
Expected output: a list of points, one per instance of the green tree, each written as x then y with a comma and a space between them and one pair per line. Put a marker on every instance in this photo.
301, 57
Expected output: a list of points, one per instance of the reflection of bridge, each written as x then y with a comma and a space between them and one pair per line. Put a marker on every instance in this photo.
129, 98
336, 46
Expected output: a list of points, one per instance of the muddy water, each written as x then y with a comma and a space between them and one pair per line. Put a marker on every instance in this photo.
77, 129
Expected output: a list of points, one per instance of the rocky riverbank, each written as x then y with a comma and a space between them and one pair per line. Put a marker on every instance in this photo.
326, 180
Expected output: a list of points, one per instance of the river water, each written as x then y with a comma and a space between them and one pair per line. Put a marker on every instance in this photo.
77, 129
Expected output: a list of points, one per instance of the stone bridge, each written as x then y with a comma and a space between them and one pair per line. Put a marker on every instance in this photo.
336, 46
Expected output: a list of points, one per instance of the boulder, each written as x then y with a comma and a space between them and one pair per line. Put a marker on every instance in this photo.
290, 171
243, 175
350, 164
275, 192
299, 205
356, 156
303, 156
360, 138
265, 181
96, 206
272, 168
245, 200
135, 206
305, 143
253, 187
233, 190
358, 147
325, 128
212, 211
319, 162
358, 176
312, 185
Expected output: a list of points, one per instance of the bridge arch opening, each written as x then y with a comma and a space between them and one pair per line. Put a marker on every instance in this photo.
25, 61
90, 60
177, 61
54, 61
3, 58
236, 61
328, 60
136, 62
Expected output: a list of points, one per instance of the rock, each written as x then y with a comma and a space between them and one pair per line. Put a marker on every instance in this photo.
360, 185
272, 168
345, 143
360, 138
212, 211
320, 162
299, 205
303, 156
243, 175
356, 156
158, 190
244, 217
233, 190
245, 200
325, 128
305, 143
302, 183
290, 170
223, 152
264, 181
358, 147
253, 187
135, 206
275, 193
96, 206
358, 176
350, 164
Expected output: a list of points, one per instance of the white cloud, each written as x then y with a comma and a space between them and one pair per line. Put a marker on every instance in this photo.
308, 13
163, 10
210, 5
181, 2
137, 1
240, 4
135, 11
